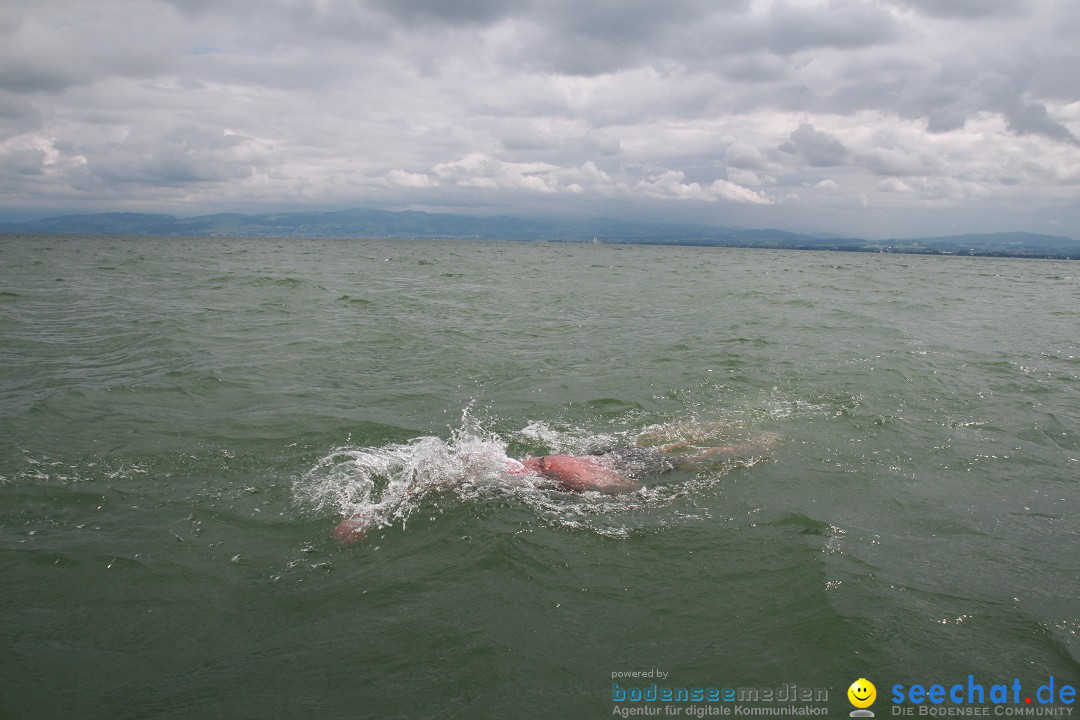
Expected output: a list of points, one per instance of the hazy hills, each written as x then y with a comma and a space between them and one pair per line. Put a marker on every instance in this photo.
377, 223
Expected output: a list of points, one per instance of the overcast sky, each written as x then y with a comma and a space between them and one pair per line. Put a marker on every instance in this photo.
878, 118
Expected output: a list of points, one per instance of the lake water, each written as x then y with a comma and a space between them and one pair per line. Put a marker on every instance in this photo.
184, 421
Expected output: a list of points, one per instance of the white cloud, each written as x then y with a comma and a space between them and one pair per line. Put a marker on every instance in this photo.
737, 193
402, 179
669, 185
477, 170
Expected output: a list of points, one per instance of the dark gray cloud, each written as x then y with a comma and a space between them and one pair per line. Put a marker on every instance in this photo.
967, 9
22, 162
459, 12
23, 76
608, 35
898, 163
604, 36
997, 91
18, 115
52, 46
628, 21
1033, 118
853, 24
818, 148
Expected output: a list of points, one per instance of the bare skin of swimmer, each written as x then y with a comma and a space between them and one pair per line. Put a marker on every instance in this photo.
574, 473
580, 474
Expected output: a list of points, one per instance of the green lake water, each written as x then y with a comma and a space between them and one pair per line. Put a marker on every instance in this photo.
184, 421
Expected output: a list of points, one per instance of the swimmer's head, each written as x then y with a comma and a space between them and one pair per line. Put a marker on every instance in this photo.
532, 463
351, 530
513, 467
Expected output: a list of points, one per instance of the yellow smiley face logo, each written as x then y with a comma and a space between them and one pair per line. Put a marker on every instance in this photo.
862, 693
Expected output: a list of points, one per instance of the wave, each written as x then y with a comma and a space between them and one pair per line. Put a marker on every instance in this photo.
353, 300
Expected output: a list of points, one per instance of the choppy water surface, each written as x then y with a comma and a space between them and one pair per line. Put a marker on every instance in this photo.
183, 422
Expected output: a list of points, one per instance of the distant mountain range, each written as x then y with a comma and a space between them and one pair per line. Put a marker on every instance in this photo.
382, 224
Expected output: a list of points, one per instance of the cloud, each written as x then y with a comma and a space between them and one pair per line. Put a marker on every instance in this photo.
794, 26
402, 179
170, 157
937, 189
26, 161
889, 161
460, 12
18, 115
479, 171
967, 9
818, 148
1034, 118
554, 139
603, 36
669, 185
744, 156
778, 111
52, 46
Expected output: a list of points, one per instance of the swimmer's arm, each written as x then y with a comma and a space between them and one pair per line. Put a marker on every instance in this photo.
353, 529
763, 445
687, 432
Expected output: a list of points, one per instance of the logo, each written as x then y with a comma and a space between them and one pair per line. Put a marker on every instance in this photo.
862, 694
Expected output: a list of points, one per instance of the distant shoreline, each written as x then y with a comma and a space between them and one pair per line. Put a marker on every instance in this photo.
825, 247
411, 225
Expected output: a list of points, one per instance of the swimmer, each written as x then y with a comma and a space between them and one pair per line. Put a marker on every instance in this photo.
601, 472
611, 472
